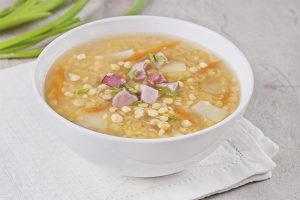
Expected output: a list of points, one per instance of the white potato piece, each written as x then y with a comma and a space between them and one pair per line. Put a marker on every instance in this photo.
212, 85
173, 67
212, 112
94, 120
120, 55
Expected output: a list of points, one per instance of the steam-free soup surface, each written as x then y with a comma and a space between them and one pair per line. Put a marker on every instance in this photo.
142, 86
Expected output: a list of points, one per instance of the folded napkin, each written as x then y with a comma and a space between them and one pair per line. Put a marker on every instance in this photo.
35, 164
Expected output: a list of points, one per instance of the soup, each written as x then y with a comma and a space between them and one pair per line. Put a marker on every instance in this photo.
142, 86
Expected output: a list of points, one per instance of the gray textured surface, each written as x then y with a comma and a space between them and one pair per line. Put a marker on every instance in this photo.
268, 32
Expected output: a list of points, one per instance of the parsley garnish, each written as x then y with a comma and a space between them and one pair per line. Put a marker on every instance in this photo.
116, 91
136, 103
82, 91
185, 78
133, 74
162, 89
172, 94
160, 58
175, 118
126, 71
130, 89
151, 57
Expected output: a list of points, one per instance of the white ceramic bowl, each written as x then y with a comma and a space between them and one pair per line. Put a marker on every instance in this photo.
143, 157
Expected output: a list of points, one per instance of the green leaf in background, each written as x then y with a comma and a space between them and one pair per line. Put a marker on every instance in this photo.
133, 74
151, 57
22, 8
135, 8
175, 118
172, 94
82, 91
185, 78
10, 9
161, 58
130, 89
21, 20
24, 54
37, 39
136, 103
28, 11
46, 5
66, 17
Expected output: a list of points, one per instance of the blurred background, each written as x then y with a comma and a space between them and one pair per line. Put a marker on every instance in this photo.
268, 33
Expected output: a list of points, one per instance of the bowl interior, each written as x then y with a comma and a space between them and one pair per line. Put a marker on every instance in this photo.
157, 25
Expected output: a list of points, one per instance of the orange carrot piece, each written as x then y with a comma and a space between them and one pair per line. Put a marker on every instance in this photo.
96, 108
59, 81
210, 65
224, 96
140, 55
185, 115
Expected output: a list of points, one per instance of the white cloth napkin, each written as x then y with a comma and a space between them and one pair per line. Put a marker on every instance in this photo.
36, 165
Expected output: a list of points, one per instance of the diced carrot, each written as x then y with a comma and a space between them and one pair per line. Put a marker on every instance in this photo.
140, 55
156, 128
210, 65
224, 96
59, 81
96, 108
185, 115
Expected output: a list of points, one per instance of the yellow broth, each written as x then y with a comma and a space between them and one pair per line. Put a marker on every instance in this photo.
86, 65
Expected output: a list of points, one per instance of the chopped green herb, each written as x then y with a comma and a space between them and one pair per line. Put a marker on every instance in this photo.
185, 78
136, 103
162, 89
161, 58
151, 57
172, 94
116, 91
82, 91
130, 89
126, 71
175, 118
133, 74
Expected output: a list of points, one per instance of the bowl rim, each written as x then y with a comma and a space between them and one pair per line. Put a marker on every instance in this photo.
141, 140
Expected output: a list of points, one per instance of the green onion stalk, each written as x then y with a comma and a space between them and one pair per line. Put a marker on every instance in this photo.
10, 9
21, 9
25, 11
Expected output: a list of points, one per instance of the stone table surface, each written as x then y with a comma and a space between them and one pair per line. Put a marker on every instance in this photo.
268, 33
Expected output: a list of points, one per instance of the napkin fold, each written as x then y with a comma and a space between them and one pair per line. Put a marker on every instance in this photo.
35, 164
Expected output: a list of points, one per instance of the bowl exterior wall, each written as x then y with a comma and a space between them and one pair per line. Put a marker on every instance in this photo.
141, 159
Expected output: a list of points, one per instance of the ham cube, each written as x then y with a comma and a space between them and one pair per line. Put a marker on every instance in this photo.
141, 73
158, 63
156, 78
148, 94
172, 87
124, 98
113, 80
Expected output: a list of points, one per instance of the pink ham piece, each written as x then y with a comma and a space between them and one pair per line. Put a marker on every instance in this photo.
113, 80
124, 98
141, 73
156, 78
148, 94
172, 87
158, 63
